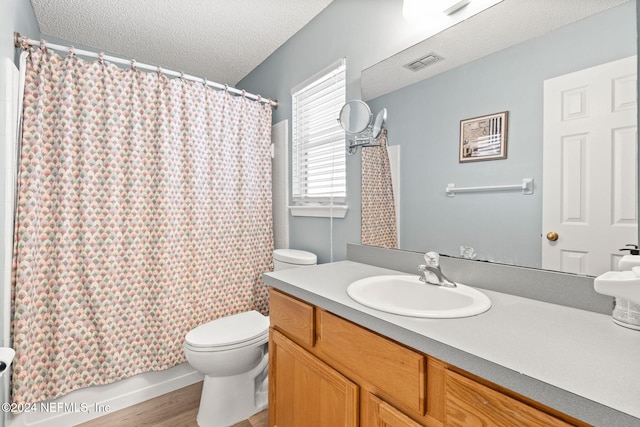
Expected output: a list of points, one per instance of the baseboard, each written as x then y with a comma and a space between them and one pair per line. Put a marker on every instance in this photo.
93, 402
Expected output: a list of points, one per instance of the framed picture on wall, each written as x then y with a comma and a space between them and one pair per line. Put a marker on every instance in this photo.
484, 138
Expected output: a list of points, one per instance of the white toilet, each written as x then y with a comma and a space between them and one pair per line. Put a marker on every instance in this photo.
292, 258
232, 353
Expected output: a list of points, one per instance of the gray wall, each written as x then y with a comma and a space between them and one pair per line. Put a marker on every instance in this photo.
15, 15
363, 31
424, 120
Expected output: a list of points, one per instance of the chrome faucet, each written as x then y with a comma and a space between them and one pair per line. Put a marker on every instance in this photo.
431, 272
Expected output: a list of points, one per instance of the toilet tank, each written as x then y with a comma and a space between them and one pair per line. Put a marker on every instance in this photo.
292, 258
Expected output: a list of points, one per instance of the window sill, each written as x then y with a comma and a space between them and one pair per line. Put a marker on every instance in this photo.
335, 211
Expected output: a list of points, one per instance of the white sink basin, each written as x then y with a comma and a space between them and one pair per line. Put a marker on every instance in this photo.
408, 296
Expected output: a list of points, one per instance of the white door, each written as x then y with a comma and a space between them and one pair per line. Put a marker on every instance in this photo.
589, 173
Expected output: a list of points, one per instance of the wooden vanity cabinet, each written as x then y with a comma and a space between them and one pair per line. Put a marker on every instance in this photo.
293, 317
327, 371
306, 391
469, 403
381, 414
379, 363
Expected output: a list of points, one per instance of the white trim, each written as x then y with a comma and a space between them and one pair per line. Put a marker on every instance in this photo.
280, 183
394, 163
335, 65
318, 161
89, 403
11, 98
320, 211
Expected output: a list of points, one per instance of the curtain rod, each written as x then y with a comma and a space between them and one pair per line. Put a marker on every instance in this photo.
19, 40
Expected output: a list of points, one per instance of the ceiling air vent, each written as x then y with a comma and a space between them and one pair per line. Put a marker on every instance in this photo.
423, 62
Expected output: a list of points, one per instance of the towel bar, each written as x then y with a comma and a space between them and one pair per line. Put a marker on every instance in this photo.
526, 187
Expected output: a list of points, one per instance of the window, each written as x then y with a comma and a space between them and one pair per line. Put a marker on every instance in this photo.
319, 157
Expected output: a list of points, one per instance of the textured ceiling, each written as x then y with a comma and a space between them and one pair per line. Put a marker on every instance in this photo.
220, 40
505, 24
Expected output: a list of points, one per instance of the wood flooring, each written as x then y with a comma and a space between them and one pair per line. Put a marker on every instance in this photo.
176, 409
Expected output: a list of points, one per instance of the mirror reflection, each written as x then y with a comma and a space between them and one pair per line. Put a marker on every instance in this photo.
356, 120
355, 117
378, 123
508, 227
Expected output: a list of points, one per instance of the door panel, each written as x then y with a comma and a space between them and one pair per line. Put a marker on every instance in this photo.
589, 173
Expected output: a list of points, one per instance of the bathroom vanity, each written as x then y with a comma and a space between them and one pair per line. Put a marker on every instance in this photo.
325, 368
524, 362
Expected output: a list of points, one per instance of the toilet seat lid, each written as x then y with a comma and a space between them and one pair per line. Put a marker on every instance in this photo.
295, 256
229, 330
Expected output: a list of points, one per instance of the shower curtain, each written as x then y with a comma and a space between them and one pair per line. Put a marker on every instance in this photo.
378, 227
144, 210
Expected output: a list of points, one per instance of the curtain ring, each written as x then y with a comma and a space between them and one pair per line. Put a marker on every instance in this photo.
133, 64
101, 58
204, 81
259, 99
226, 88
24, 43
72, 51
244, 93
182, 75
43, 42
159, 71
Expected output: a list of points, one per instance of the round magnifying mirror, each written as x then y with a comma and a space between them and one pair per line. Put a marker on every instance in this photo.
355, 116
378, 123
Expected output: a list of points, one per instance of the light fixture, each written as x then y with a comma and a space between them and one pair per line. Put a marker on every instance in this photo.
455, 6
436, 12
425, 10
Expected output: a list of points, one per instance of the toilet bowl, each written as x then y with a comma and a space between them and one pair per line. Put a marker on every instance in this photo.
232, 353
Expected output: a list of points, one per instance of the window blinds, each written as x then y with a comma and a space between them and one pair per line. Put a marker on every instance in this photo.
319, 159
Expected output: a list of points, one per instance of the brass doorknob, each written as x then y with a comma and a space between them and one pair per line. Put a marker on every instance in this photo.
552, 235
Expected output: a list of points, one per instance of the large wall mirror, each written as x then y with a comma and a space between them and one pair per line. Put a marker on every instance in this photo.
469, 81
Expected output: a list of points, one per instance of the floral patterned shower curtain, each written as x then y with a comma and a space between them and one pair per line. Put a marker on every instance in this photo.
378, 227
144, 210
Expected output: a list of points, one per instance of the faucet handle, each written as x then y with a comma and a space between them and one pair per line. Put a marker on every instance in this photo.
432, 259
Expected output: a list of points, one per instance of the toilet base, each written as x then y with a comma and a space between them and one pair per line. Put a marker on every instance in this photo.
228, 400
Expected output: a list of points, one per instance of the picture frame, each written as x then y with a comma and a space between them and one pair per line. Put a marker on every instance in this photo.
484, 137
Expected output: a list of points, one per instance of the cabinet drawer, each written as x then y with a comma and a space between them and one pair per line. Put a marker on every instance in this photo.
381, 414
392, 368
293, 317
469, 403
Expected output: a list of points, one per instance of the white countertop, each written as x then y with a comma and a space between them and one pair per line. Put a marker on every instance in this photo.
591, 364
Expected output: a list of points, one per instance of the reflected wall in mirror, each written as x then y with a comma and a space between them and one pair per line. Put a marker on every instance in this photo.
503, 227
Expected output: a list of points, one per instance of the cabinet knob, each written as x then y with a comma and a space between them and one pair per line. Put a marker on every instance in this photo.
552, 236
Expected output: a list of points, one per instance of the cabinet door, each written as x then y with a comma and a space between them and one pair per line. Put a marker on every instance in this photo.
381, 414
391, 367
471, 404
304, 391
